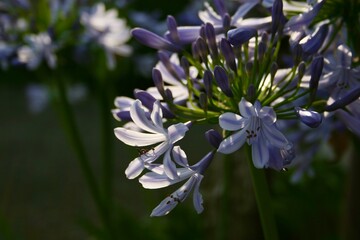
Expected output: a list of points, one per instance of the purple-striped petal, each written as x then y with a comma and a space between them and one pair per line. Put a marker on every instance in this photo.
135, 168
153, 41
246, 108
134, 138
233, 142
231, 121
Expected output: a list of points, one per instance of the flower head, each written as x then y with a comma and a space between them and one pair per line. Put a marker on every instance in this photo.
154, 133
256, 126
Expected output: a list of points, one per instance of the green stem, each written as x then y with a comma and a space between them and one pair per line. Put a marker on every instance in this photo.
223, 232
70, 126
107, 149
263, 199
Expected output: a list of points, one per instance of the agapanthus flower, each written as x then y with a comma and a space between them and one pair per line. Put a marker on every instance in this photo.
194, 174
154, 133
339, 77
38, 47
109, 31
257, 127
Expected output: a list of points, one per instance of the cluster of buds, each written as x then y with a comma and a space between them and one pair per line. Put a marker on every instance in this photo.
251, 77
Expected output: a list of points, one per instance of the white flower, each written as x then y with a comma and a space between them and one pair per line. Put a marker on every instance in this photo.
39, 46
194, 174
154, 133
108, 30
256, 126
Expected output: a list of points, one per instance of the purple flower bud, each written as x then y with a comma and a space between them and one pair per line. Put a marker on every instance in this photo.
223, 81
214, 138
121, 115
314, 42
301, 70
172, 26
226, 22
202, 32
310, 118
228, 54
169, 95
204, 163
185, 66
195, 51
148, 101
251, 93
273, 69
202, 48
158, 81
261, 50
239, 36
203, 101
278, 18
315, 71
208, 77
351, 96
211, 39
220, 7
297, 53
153, 41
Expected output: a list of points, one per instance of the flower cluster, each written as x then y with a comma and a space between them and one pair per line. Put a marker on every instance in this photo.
28, 41
255, 78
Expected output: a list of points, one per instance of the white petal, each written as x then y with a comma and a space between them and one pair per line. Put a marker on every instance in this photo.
246, 108
180, 156
233, 142
137, 114
156, 115
197, 197
169, 166
268, 115
123, 103
273, 136
260, 154
133, 138
164, 207
135, 168
177, 132
152, 180
344, 56
231, 121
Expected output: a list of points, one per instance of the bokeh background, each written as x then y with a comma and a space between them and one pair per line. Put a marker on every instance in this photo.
43, 193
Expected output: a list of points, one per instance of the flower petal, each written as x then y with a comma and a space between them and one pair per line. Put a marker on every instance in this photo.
169, 166
246, 108
268, 115
260, 153
135, 168
197, 197
231, 121
177, 132
273, 136
180, 156
137, 114
156, 115
133, 138
233, 142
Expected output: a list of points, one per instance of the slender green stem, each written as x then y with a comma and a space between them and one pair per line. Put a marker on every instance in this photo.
107, 149
223, 232
70, 126
263, 199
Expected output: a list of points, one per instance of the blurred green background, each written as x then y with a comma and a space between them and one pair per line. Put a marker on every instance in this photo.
43, 194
